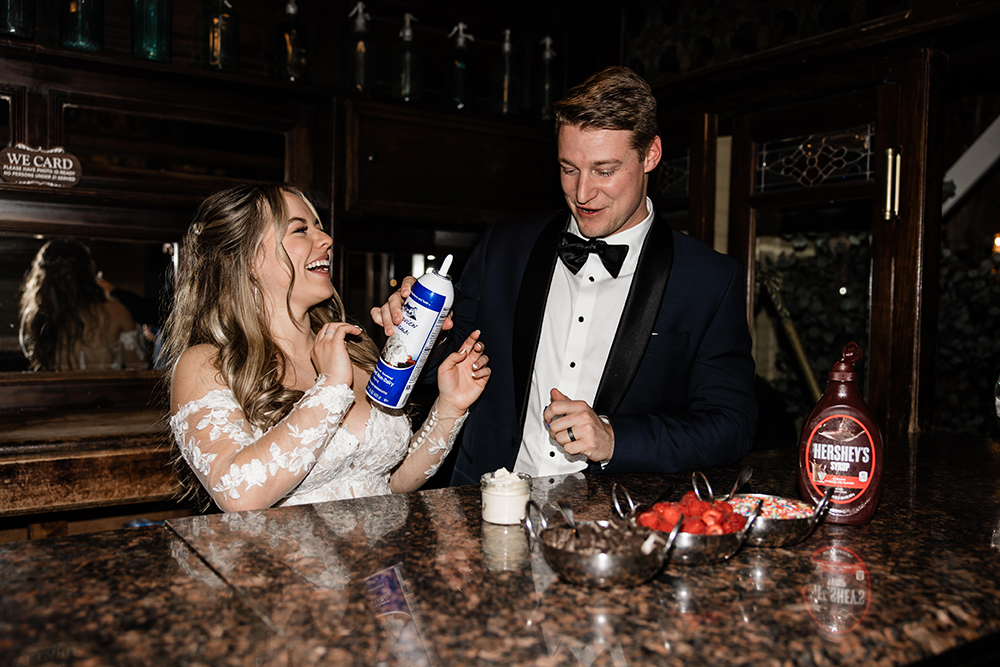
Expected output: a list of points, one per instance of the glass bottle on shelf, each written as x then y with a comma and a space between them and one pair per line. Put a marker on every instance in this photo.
151, 29
221, 40
17, 18
996, 399
293, 46
460, 66
406, 65
545, 98
506, 82
361, 58
81, 25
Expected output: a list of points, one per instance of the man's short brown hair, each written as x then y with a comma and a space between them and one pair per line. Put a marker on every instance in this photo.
616, 98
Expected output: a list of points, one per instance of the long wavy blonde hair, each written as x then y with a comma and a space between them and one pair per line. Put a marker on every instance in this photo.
62, 306
216, 299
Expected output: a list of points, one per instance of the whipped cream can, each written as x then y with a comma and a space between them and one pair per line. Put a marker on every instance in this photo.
404, 354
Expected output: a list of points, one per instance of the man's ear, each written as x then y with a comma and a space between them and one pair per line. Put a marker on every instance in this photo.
653, 155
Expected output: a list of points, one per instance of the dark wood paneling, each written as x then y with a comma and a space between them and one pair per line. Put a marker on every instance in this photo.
917, 236
78, 460
406, 163
34, 391
701, 207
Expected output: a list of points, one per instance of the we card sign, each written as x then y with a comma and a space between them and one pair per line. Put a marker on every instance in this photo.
52, 167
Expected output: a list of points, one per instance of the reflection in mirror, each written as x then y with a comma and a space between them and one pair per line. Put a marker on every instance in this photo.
133, 278
4, 121
813, 274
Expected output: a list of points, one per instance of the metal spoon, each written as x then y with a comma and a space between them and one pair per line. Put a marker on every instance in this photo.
567, 512
744, 477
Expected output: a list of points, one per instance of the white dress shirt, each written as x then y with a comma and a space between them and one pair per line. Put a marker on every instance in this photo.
579, 325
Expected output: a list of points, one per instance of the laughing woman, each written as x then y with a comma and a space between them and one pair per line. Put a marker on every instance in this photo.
267, 393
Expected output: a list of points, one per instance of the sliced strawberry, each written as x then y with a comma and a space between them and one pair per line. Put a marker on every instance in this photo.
712, 517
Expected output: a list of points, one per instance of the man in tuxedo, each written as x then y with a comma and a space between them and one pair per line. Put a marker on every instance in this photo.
616, 343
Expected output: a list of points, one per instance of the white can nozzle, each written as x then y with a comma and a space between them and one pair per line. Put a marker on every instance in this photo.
445, 265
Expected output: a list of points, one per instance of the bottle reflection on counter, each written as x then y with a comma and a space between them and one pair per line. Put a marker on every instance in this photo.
840, 591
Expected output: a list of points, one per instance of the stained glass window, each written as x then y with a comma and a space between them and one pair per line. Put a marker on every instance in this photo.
835, 157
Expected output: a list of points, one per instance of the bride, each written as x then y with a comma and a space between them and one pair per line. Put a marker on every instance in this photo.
267, 393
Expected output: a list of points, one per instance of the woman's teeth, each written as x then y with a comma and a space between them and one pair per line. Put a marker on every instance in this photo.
318, 265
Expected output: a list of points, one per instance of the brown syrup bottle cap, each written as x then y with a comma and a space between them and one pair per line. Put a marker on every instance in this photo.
843, 370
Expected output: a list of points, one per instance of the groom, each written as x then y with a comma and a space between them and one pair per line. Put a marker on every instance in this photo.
616, 343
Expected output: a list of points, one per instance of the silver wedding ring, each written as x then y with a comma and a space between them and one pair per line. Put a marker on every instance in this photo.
572, 438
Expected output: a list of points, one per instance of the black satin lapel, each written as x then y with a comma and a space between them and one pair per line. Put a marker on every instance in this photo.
645, 297
531, 308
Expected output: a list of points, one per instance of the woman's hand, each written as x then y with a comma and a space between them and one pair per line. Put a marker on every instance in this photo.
462, 377
329, 352
391, 312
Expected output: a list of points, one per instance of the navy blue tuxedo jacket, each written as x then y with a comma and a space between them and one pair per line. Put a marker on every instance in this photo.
678, 386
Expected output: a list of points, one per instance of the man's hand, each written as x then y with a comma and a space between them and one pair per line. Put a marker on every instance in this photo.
575, 426
391, 312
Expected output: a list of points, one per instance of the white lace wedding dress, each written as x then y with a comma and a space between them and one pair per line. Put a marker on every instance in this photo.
308, 450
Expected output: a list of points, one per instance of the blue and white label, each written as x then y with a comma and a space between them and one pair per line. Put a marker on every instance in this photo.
405, 352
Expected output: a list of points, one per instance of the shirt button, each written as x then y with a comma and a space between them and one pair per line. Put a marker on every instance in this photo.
572, 364
552, 454
591, 278
581, 319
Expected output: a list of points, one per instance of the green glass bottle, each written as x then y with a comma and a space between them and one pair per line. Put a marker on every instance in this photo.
407, 65
81, 25
221, 36
460, 66
17, 18
292, 45
151, 29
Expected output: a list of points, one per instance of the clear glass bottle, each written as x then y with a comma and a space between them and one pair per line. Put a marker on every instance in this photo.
81, 25
17, 18
221, 36
293, 45
152, 22
460, 66
547, 90
361, 75
996, 399
407, 65
506, 82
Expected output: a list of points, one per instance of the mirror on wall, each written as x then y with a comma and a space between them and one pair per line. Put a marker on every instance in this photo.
133, 273
5, 133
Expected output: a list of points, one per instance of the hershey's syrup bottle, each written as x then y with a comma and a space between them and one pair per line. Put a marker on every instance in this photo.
841, 446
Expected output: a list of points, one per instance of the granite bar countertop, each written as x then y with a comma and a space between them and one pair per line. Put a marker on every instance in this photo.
419, 579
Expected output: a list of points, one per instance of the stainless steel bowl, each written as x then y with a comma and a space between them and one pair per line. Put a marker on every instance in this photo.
771, 531
626, 565
688, 548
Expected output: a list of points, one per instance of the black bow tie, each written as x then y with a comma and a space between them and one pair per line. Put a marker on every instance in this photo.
573, 251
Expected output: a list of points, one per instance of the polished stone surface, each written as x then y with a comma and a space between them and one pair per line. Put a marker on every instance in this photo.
419, 579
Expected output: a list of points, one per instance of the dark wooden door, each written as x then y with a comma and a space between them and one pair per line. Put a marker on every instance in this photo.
843, 194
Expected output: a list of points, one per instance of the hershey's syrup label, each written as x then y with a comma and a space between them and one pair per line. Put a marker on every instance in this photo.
840, 453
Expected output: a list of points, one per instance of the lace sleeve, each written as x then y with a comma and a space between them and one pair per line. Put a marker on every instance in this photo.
428, 448
244, 469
